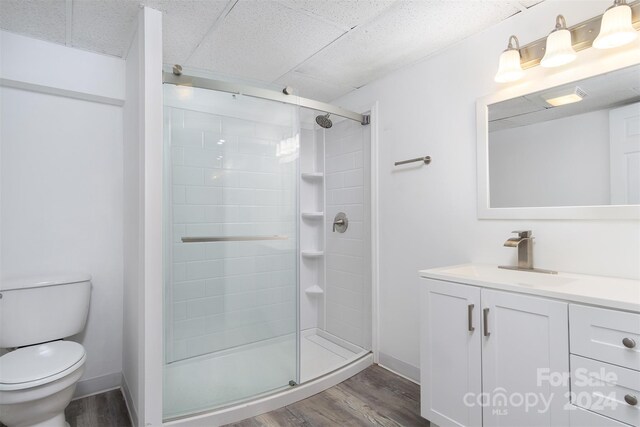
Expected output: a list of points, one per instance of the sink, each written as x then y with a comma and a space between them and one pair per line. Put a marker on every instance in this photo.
486, 273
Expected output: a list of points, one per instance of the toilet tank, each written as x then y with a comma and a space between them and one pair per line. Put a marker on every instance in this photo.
40, 309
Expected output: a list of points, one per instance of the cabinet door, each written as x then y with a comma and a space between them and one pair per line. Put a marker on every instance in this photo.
525, 360
450, 362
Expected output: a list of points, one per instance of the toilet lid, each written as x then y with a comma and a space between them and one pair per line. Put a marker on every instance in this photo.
39, 361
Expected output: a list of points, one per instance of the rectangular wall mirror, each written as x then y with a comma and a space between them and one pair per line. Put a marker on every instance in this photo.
569, 151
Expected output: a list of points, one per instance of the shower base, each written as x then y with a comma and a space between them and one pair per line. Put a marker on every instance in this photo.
240, 374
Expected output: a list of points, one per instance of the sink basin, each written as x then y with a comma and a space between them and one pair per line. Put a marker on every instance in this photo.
488, 273
610, 292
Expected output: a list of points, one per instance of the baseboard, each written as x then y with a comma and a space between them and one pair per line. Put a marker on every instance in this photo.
399, 367
128, 400
97, 385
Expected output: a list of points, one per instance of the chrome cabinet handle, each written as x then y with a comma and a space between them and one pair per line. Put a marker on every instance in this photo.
470, 317
631, 399
628, 342
485, 319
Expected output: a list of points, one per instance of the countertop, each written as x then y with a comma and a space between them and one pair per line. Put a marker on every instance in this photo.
608, 292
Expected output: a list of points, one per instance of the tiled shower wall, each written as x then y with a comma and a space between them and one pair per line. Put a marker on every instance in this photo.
230, 177
348, 255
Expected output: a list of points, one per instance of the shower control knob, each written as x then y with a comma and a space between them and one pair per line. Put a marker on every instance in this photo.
340, 223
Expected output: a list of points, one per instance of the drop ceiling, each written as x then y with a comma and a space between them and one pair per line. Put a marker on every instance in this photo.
322, 48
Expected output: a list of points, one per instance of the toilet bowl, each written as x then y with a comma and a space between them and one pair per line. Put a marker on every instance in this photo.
37, 381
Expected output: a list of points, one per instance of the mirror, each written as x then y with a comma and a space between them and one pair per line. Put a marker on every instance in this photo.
573, 145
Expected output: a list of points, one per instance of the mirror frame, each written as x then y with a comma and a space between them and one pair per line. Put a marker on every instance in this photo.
590, 62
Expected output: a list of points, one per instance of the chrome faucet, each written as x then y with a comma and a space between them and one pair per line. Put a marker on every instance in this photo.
524, 243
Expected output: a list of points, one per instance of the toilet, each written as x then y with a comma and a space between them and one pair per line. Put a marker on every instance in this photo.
40, 370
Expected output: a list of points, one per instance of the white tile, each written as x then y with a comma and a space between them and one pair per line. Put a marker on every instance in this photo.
204, 269
197, 121
186, 138
184, 214
186, 175
188, 252
205, 307
178, 195
354, 178
203, 195
193, 156
179, 311
183, 291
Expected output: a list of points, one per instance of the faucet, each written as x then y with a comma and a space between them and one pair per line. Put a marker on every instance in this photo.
524, 243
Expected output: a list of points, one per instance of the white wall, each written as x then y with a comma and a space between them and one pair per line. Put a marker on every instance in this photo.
427, 214
142, 254
132, 229
561, 162
62, 185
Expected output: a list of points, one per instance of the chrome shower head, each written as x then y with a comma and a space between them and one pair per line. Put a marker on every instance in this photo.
324, 121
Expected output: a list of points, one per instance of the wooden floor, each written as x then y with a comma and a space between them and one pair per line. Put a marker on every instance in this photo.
100, 410
374, 397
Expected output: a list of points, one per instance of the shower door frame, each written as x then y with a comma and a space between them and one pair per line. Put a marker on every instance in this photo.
152, 363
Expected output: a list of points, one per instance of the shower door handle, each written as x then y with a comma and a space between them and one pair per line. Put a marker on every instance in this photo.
230, 238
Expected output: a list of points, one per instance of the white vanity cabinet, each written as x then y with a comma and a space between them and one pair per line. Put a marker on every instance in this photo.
512, 348
485, 355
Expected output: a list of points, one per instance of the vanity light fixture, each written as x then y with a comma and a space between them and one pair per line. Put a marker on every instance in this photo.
574, 95
616, 28
509, 68
559, 50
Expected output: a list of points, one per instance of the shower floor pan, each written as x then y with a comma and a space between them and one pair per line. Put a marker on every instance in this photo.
241, 374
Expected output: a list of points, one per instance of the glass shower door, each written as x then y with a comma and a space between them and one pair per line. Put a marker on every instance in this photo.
231, 303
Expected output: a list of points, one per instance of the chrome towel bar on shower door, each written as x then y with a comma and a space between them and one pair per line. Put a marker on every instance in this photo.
425, 159
230, 238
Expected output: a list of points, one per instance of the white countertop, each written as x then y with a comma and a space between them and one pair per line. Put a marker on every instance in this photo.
610, 292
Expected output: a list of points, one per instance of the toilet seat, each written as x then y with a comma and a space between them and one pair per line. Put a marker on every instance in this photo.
39, 364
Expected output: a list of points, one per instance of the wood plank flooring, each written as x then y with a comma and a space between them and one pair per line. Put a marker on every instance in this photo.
100, 410
374, 397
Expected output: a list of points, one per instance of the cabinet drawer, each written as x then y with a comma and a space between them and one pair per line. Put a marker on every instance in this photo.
582, 418
608, 335
605, 389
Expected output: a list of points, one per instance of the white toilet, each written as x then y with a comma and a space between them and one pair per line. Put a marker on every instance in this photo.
38, 378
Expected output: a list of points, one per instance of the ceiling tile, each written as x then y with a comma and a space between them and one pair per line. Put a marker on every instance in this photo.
262, 40
308, 87
409, 31
104, 26
529, 3
41, 19
347, 14
184, 25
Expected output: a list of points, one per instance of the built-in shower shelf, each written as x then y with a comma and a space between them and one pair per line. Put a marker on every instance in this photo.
312, 215
314, 290
313, 175
312, 254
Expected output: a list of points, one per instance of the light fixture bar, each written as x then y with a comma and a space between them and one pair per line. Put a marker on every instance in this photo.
582, 34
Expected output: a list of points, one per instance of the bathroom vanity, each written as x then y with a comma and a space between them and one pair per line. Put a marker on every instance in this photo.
507, 348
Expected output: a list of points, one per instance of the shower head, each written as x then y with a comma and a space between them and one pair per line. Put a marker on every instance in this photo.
324, 121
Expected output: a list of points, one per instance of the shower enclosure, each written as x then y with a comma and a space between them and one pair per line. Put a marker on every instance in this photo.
267, 281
